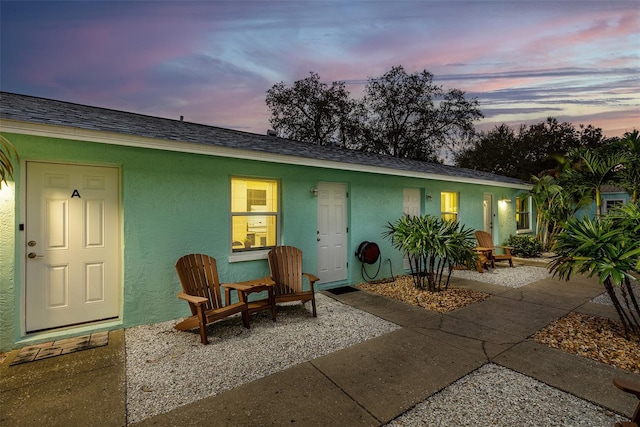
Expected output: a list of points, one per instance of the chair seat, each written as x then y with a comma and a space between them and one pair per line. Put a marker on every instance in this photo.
193, 322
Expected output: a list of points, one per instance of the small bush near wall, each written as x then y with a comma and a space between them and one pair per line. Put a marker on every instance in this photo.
525, 246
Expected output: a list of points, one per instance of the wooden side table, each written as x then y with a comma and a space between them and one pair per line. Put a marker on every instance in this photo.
253, 286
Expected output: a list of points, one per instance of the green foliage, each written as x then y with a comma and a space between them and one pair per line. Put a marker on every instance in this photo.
525, 246
310, 111
529, 151
401, 114
592, 169
432, 245
7, 154
630, 172
407, 115
609, 249
556, 200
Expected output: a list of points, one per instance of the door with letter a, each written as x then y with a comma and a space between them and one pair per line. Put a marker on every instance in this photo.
72, 241
332, 232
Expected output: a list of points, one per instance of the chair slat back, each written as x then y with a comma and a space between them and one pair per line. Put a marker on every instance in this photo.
484, 239
285, 263
198, 275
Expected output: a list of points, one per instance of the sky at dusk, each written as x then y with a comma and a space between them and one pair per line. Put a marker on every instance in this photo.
213, 61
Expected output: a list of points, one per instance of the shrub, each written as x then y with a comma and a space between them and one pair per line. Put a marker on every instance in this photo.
608, 249
433, 247
525, 246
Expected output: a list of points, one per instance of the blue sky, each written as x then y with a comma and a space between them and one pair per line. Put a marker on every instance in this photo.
213, 61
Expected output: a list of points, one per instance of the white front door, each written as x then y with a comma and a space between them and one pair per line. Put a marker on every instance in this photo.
332, 232
72, 245
412, 206
487, 210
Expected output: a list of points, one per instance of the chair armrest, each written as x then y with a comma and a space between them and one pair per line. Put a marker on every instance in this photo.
507, 249
192, 298
627, 386
312, 278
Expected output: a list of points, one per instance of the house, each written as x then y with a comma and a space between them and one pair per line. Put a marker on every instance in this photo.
104, 202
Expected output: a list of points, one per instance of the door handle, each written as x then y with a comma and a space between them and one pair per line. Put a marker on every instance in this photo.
34, 255
318, 239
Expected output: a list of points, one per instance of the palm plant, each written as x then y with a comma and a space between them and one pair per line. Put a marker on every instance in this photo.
609, 249
630, 173
544, 193
432, 246
7, 154
593, 169
556, 200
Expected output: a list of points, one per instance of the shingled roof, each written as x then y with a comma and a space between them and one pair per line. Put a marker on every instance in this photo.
28, 109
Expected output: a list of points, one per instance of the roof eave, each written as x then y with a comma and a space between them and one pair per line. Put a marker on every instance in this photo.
113, 138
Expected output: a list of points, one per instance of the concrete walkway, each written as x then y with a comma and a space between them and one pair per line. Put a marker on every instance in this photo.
368, 384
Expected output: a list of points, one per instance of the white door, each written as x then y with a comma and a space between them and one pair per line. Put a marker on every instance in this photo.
332, 232
72, 245
411, 205
487, 210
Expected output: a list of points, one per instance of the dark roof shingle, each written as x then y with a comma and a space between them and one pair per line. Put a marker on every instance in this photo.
46, 111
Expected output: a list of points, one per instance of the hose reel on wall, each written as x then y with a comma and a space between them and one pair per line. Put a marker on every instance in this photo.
369, 253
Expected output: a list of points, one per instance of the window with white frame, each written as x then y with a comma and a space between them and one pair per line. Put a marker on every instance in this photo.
255, 214
449, 205
523, 213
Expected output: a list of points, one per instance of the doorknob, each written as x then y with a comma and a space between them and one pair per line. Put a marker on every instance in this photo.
34, 255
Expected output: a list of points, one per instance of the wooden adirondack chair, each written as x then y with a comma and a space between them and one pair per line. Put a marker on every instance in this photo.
486, 241
633, 388
285, 263
198, 275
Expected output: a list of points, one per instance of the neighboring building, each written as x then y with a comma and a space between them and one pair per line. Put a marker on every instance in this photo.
104, 202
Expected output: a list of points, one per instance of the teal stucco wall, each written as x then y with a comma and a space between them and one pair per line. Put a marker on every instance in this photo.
175, 203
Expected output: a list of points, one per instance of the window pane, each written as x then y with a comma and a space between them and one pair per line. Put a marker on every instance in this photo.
449, 217
254, 195
523, 221
253, 231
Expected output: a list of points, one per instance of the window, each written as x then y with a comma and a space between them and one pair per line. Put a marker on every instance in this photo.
612, 203
523, 213
254, 214
449, 206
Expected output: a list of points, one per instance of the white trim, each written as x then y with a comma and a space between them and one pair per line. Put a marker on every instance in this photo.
248, 256
64, 132
524, 231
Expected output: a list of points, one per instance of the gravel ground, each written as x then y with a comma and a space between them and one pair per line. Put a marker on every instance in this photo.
515, 277
496, 396
605, 299
167, 368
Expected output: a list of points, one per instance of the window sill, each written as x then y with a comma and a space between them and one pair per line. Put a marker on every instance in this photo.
524, 231
248, 256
